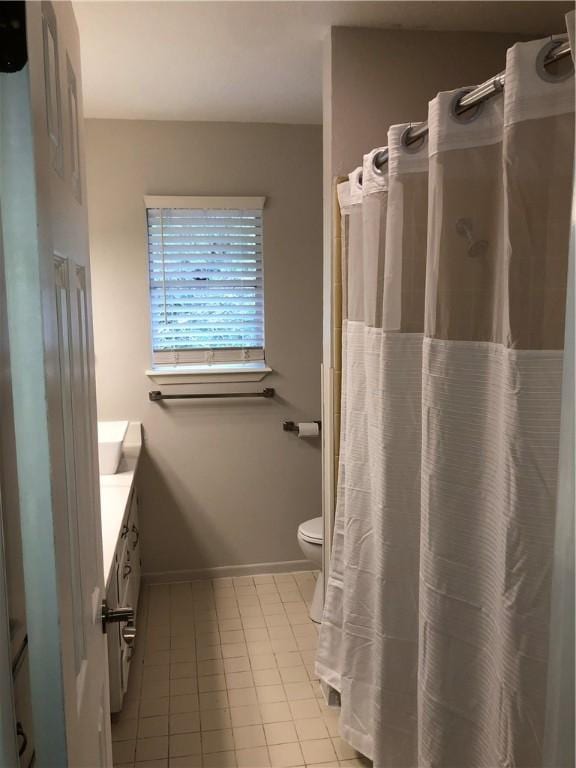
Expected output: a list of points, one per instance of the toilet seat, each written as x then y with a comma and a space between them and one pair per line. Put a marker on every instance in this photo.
312, 531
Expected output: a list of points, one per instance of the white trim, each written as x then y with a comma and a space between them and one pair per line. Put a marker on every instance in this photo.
209, 374
185, 201
251, 569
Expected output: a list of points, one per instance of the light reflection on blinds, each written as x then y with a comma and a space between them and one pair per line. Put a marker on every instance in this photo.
206, 286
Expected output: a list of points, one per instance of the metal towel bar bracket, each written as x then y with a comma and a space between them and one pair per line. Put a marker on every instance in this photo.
155, 395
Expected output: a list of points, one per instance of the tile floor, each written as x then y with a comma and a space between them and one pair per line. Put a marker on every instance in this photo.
223, 677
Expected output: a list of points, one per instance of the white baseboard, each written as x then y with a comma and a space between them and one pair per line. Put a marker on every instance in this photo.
168, 577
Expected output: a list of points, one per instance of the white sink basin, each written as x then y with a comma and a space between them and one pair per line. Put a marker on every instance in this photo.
110, 438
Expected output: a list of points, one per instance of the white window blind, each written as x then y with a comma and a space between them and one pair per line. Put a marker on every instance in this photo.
206, 280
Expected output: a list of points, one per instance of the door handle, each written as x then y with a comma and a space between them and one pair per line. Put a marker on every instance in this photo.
110, 615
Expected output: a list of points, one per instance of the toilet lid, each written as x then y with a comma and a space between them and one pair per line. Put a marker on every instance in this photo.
312, 530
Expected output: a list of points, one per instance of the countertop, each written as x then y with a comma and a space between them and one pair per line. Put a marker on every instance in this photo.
115, 492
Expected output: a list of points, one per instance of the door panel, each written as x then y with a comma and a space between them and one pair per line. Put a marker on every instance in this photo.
50, 329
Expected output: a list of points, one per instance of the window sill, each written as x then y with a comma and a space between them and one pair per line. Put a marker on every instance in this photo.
209, 374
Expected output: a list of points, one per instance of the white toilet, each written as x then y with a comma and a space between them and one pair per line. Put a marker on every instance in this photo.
310, 539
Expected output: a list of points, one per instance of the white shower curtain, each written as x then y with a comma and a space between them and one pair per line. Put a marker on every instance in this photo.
435, 629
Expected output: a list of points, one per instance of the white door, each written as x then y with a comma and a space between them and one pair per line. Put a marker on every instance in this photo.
45, 237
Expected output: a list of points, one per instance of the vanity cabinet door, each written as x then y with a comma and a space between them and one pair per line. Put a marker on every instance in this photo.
113, 634
135, 552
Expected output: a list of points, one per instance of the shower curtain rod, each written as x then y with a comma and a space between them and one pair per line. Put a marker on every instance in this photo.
471, 99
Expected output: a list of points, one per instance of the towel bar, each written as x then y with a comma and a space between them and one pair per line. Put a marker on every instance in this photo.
155, 395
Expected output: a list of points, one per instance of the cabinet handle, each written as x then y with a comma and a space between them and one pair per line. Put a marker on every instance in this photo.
21, 735
127, 570
125, 531
137, 532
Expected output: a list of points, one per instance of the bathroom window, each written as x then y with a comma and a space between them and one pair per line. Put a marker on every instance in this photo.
206, 284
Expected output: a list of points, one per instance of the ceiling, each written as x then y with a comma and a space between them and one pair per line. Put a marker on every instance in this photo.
249, 61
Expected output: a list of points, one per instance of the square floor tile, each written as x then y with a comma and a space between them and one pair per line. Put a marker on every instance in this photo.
210, 667
214, 700
187, 703
182, 638
188, 761
256, 634
162, 763
343, 750
285, 755
239, 680
209, 652
185, 669
242, 697
312, 728
156, 658
260, 647
217, 741
249, 715
211, 683
249, 622
181, 655
277, 620
156, 690
266, 661
256, 757
304, 709
123, 751
276, 712
185, 744
289, 659
187, 722
318, 751
248, 736
280, 733
268, 694
284, 645
234, 650
238, 664
298, 691
332, 724
215, 719
152, 749
153, 726
184, 685
266, 677
220, 760
154, 707
270, 598
229, 625
294, 674
232, 636
263, 578
280, 633
307, 643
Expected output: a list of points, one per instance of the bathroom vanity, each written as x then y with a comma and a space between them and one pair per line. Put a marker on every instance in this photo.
121, 554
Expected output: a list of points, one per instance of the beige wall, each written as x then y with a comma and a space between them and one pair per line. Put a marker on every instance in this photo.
221, 483
381, 77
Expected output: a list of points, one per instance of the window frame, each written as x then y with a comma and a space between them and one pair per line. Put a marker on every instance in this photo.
203, 372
